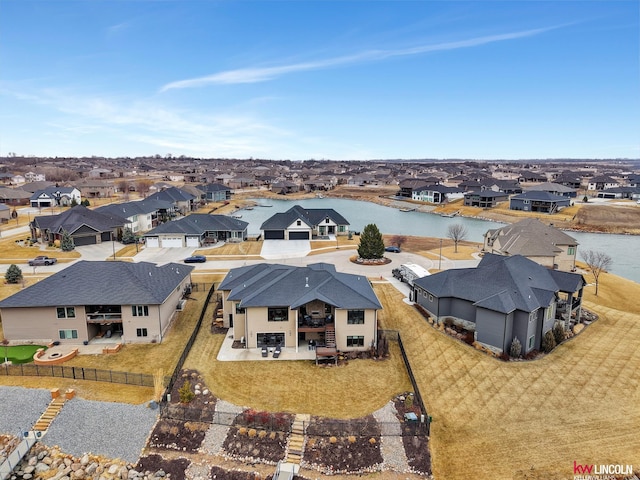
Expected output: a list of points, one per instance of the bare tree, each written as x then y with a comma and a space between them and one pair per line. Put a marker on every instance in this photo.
143, 186
597, 262
123, 186
457, 233
398, 240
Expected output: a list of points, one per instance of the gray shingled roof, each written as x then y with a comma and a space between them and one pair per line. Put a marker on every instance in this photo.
74, 218
138, 207
103, 283
274, 285
499, 283
310, 216
531, 238
540, 196
173, 194
198, 223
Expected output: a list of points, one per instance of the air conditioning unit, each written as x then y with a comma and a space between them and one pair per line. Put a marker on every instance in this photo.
181, 305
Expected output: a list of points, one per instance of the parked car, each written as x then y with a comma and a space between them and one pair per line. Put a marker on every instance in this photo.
393, 249
42, 260
195, 259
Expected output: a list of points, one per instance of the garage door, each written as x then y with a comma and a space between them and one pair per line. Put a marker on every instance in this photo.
79, 241
193, 242
274, 234
298, 235
172, 242
152, 242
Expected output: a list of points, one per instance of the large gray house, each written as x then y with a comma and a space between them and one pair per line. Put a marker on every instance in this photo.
271, 304
299, 223
502, 298
130, 302
537, 201
196, 230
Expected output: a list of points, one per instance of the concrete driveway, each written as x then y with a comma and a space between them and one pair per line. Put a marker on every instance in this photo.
163, 255
272, 249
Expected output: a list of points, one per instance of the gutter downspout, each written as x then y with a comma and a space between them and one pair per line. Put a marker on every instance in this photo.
160, 323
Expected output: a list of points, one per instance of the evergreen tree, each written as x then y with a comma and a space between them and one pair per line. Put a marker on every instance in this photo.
66, 244
85, 202
13, 274
74, 202
128, 236
371, 244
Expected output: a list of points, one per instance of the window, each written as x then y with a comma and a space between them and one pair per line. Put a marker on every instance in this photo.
531, 340
355, 341
355, 317
327, 309
431, 298
526, 202
341, 228
277, 314
68, 334
66, 312
141, 332
239, 309
571, 251
424, 293
299, 222
549, 313
533, 315
140, 310
326, 220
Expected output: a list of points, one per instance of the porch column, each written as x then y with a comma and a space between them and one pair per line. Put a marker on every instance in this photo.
296, 329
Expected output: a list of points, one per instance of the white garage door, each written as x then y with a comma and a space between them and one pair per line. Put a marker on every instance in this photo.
152, 242
193, 242
172, 242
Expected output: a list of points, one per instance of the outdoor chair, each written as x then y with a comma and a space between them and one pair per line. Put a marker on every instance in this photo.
265, 352
276, 352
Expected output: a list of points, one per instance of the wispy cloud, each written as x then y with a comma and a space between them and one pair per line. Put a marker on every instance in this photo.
262, 74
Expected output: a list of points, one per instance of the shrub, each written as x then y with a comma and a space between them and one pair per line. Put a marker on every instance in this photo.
242, 430
262, 433
351, 439
548, 342
408, 402
372, 441
186, 395
66, 244
252, 432
558, 332
333, 440
13, 274
516, 348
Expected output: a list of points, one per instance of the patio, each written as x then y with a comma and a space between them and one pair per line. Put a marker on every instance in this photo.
229, 354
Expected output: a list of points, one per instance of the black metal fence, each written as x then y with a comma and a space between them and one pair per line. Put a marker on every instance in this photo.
77, 373
190, 342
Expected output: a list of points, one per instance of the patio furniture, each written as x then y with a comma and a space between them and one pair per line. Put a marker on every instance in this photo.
276, 352
265, 352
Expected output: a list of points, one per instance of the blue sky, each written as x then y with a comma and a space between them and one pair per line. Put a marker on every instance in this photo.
320, 79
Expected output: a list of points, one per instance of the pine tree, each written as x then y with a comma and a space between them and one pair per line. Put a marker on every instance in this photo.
13, 274
66, 244
128, 236
371, 243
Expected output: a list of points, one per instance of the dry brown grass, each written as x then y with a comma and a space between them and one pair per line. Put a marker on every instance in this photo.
11, 252
513, 416
348, 391
128, 251
430, 247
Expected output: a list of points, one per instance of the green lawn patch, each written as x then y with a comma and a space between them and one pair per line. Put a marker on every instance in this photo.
20, 353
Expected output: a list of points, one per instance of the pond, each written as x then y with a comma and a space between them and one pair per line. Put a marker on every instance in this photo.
622, 248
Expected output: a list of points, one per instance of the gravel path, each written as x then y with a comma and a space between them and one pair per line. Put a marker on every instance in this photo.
20, 408
391, 446
115, 430
216, 434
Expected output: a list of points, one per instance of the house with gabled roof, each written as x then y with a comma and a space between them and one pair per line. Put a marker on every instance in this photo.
215, 192
537, 201
436, 193
544, 244
555, 188
503, 298
143, 215
270, 304
196, 230
299, 223
484, 198
601, 182
86, 227
55, 196
129, 302
184, 202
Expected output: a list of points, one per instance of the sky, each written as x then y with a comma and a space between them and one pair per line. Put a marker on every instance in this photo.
340, 80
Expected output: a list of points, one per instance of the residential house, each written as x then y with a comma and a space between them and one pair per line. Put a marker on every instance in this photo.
569, 179
527, 176
436, 193
142, 215
503, 298
14, 196
129, 302
215, 192
184, 202
284, 187
544, 244
601, 182
300, 223
408, 185
94, 188
5, 213
196, 230
554, 188
34, 177
86, 227
17, 179
484, 198
619, 192
542, 202
271, 304
56, 196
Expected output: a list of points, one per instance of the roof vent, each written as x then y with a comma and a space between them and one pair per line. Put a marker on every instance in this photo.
306, 282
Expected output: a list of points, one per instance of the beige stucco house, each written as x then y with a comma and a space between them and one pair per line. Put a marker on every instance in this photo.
130, 302
267, 305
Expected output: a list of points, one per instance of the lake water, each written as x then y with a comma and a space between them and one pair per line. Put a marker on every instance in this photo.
621, 248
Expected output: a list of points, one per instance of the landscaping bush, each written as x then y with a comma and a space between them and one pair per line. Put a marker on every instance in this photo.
516, 348
186, 395
13, 274
548, 342
558, 332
